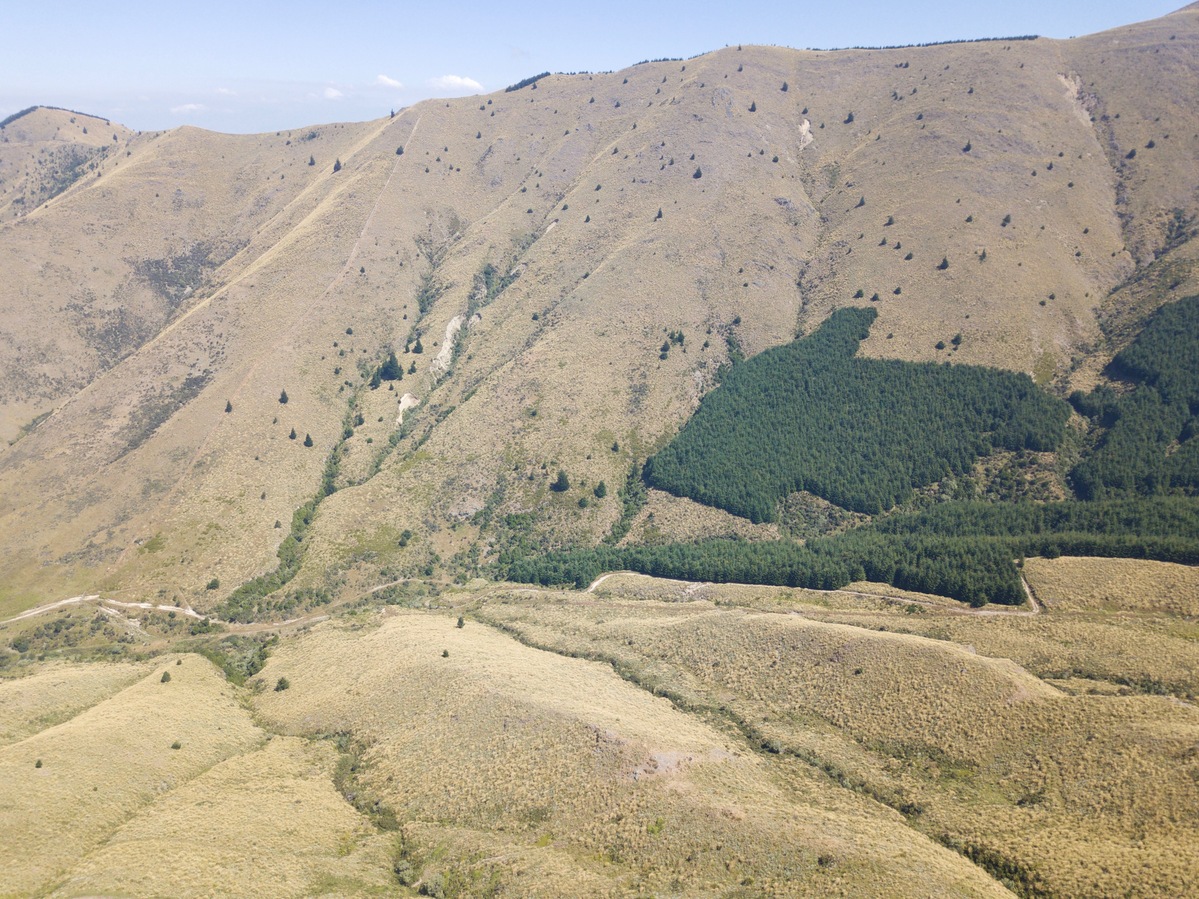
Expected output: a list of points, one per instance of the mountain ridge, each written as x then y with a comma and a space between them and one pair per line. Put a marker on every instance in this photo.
227, 280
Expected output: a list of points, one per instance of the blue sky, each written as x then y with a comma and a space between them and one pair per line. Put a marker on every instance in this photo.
262, 66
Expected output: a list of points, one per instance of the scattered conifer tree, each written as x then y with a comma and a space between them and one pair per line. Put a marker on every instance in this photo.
391, 370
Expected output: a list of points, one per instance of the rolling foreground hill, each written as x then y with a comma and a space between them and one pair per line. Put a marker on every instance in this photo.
373, 371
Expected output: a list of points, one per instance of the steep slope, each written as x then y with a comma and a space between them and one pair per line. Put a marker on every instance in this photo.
107, 266
1138, 84
538, 247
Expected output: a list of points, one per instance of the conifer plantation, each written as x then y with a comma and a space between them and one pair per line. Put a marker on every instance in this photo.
861, 433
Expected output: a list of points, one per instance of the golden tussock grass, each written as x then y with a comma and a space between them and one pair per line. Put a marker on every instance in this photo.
56, 692
104, 765
1115, 585
974, 748
614, 783
267, 823
649, 737
1138, 653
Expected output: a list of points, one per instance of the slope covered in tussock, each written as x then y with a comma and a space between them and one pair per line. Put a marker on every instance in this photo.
153, 315
360, 371
528, 772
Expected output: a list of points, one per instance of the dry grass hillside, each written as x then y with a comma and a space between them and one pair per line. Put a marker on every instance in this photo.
45, 151
539, 244
119, 257
251, 640
990, 758
647, 737
133, 792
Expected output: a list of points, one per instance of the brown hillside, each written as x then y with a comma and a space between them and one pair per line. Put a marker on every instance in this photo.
45, 151
203, 269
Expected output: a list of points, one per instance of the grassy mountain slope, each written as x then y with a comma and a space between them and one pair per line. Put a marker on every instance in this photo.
195, 424
45, 151
233, 284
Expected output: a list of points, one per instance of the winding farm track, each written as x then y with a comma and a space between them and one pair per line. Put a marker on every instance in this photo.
114, 605
1033, 609
51, 606
104, 604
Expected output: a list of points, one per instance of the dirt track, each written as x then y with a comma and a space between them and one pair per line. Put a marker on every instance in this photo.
114, 605
1034, 606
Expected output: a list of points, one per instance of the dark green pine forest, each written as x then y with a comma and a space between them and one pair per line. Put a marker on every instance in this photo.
1148, 431
865, 433
861, 433
965, 550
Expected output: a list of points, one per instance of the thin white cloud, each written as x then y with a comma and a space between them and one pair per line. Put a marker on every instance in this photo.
188, 108
456, 83
384, 81
332, 93
225, 92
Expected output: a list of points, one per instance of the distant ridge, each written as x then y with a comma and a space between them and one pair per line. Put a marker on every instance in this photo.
967, 40
24, 112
